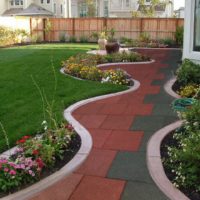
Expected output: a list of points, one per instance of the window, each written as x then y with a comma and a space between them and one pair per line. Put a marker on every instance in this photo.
105, 9
127, 3
83, 10
41, 1
16, 2
61, 9
197, 26
48, 1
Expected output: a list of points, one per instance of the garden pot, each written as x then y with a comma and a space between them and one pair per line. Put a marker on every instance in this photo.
112, 47
102, 43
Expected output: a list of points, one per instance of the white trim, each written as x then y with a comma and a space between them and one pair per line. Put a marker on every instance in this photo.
189, 32
154, 163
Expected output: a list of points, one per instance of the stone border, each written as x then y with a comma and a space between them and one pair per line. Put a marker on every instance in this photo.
79, 158
155, 165
168, 88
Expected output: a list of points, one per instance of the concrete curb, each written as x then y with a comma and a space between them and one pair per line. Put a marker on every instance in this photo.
155, 166
168, 88
78, 159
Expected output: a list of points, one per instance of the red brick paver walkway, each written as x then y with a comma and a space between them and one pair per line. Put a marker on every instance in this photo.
109, 123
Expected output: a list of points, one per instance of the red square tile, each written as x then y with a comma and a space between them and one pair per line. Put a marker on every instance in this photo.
96, 188
99, 136
91, 108
114, 109
124, 140
139, 109
109, 100
97, 163
115, 122
77, 117
92, 121
61, 190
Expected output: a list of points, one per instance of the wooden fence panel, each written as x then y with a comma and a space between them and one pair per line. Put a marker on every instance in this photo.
157, 28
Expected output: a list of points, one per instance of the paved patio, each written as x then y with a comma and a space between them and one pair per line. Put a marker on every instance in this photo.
121, 127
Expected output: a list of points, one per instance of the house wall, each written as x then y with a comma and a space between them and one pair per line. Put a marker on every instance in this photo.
3, 6
188, 51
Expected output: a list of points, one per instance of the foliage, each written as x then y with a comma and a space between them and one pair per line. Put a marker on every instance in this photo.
48, 28
62, 37
188, 90
149, 10
32, 156
83, 39
168, 41
179, 35
118, 77
184, 158
36, 38
144, 37
9, 36
72, 39
188, 73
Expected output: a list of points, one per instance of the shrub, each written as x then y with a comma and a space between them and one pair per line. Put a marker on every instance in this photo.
144, 37
9, 36
83, 39
62, 37
188, 73
168, 41
179, 35
184, 159
188, 90
72, 39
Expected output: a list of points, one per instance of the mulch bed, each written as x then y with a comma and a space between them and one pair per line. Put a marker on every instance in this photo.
73, 148
169, 141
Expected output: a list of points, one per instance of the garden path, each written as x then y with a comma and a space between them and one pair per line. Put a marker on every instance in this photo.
121, 127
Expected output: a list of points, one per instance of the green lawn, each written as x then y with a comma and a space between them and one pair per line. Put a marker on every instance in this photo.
20, 102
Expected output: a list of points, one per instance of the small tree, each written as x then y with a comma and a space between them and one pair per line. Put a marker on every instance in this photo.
150, 9
48, 28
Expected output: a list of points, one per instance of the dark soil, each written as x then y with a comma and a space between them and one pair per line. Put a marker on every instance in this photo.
176, 87
169, 141
71, 151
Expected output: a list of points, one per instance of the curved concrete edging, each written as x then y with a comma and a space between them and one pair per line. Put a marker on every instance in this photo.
155, 166
168, 88
78, 159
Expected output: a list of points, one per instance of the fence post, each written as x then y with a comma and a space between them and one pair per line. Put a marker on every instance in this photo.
105, 23
73, 26
31, 31
141, 26
44, 32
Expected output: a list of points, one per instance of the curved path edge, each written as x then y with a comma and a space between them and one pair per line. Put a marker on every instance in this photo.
79, 158
168, 88
155, 165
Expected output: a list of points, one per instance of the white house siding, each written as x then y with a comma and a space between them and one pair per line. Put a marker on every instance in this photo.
3, 6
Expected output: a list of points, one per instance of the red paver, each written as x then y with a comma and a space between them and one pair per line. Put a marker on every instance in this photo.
139, 109
92, 121
96, 188
115, 122
114, 109
91, 108
58, 191
123, 140
99, 136
97, 163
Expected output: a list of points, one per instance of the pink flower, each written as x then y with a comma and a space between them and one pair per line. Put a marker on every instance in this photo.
6, 170
3, 161
12, 172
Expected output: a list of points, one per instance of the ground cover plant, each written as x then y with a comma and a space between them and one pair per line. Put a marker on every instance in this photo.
181, 158
21, 106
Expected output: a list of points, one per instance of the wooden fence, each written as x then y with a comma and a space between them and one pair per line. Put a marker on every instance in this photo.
157, 28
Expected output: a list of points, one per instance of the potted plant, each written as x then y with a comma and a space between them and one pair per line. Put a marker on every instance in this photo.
112, 45
102, 41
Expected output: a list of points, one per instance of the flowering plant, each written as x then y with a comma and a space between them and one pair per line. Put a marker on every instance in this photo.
32, 155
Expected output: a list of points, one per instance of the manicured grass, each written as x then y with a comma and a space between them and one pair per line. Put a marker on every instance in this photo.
20, 102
